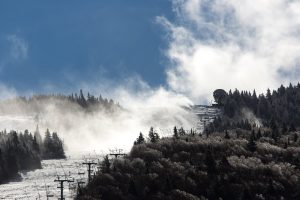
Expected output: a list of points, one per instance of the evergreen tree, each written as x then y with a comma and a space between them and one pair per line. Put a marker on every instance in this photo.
15, 139
175, 133
57, 149
37, 135
254, 94
227, 135
11, 160
259, 135
22, 152
53, 146
210, 163
284, 128
181, 131
82, 100
140, 139
36, 146
224, 164
230, 107
192, 132
292, 128
251, 143
275, 134
253, 135
47, 145
153, 136
285, 145
295, 137
278, 107
268, 95
105, 165
275, 131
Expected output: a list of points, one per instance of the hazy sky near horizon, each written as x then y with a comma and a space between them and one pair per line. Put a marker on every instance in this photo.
189, 47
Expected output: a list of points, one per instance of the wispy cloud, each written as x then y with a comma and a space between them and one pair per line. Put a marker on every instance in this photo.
230, 43
15, 50
18, 47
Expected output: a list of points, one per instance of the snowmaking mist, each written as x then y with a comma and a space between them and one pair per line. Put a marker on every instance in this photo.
98, 128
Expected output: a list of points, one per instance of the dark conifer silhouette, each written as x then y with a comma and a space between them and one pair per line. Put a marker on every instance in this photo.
22, 151
227, 135
105, 165
260, 161
279, 107
210, 163
194, 167
140, 139
52, 146
295, 137
181, 131
153, 136
251, 143
175, 133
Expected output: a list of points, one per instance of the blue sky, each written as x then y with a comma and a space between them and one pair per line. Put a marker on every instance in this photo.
62, 43
60, 46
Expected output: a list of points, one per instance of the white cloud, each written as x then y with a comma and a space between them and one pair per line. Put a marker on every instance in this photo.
19, 47
249, 44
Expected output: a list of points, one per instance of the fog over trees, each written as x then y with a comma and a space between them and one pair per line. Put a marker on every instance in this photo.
74, 101
251, 151
278, 110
